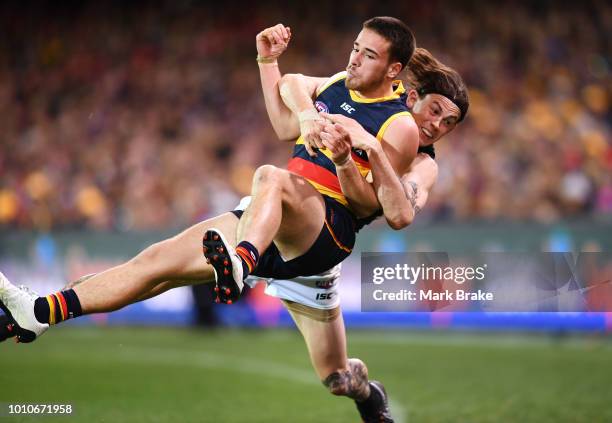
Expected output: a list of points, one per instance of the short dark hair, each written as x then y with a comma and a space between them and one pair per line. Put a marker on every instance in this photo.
398, 34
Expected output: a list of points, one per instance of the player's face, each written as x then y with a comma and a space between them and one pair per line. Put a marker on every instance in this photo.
434, 114
369, 62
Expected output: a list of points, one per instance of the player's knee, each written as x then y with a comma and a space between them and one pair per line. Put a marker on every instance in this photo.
148, 256
267, 176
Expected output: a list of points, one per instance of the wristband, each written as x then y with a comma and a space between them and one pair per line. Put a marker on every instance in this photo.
261, 59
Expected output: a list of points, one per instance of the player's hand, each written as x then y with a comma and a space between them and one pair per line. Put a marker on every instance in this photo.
338, 141
311, 128
273, 41
358, 136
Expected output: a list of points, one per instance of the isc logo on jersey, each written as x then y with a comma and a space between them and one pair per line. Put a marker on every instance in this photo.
321, 107
347, 108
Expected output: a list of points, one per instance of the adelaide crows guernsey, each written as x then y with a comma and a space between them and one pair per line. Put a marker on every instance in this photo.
374, 114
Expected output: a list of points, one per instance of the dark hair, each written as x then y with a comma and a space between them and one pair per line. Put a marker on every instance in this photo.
397, 33
427, 75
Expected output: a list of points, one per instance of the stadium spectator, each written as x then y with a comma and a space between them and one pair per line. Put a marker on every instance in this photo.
110, 112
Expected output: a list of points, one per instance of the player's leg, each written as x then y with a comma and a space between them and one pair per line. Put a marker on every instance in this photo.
9, 328
325, 338
284, 208
158, 289
179, 257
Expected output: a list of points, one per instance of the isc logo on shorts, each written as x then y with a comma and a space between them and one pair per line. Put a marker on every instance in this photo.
324, 296
321, 107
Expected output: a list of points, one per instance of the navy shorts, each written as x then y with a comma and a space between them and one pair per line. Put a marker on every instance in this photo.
334, 243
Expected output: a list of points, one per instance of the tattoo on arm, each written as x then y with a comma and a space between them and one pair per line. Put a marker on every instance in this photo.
412, 193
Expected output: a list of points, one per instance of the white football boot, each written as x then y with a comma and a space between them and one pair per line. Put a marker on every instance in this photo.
18, 304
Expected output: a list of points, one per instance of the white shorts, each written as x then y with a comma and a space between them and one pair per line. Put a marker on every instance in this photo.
317, 291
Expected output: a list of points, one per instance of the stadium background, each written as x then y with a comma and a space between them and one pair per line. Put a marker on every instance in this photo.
124, 122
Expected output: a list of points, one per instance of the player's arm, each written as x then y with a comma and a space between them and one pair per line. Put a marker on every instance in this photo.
298, 92
271, 44
358, 192
399, 143
402, 198
388, 159
417, 184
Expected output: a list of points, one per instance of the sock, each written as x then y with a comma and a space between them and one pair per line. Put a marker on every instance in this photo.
56, 308
249, 255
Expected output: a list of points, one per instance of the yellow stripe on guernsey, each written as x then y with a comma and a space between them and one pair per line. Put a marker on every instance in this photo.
330, 193
381, 132
399, 90
332, 80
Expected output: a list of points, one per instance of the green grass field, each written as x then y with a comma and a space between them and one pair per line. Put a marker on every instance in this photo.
170, 375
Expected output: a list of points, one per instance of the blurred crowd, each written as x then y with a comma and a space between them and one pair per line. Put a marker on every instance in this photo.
145, 115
